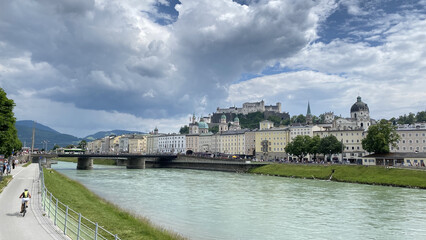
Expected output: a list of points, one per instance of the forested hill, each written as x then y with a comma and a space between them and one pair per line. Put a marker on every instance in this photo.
43, 134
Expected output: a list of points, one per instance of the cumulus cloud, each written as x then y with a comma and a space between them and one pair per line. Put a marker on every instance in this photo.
111, 56
389, 76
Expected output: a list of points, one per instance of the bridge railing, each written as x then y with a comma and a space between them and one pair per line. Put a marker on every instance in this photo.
71, 223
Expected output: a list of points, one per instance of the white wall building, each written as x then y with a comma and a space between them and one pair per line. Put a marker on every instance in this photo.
172, 143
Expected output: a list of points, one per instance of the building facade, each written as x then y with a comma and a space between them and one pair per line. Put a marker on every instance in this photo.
172, 143
271, 143
412, 139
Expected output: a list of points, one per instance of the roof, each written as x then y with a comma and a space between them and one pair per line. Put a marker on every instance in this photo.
203, 125
359, 105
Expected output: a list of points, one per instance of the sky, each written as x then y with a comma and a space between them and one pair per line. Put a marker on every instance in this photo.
83, 66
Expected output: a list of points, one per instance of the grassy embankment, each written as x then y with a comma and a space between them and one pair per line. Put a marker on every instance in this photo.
4, 182
99, 161
376, 175
111, 217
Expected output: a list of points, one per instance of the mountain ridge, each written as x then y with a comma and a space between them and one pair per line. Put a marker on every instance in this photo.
46, 136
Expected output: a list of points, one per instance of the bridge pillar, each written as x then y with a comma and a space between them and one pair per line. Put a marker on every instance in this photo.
85, 163
136, 163
121, 162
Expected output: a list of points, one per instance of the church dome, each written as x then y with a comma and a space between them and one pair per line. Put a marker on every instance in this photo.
359, 106
236, 119
203, 125
223, 116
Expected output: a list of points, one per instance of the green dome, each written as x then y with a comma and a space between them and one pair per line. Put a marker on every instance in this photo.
236, 119
203, 125
223, 116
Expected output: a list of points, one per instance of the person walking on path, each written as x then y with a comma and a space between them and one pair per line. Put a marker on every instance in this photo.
13, 164
7, 169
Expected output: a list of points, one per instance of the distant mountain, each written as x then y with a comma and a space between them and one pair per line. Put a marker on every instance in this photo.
43, 134
30, 123
109, 133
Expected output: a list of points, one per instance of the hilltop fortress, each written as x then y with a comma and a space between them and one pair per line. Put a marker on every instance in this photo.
232, 112
251, 107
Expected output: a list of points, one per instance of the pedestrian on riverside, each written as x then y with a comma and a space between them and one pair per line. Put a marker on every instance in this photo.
4, 166
8, 169
13, 164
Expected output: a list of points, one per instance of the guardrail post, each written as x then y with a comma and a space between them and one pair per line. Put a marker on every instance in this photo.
79, 225
50, 203
66, 218
56, 211
44, 200
96, 231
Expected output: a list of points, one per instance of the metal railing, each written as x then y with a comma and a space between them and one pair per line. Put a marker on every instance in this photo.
71, 223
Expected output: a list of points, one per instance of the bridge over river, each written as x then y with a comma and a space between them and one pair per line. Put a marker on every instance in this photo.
138, 161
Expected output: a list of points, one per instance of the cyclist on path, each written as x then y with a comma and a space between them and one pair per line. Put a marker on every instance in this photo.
25, 198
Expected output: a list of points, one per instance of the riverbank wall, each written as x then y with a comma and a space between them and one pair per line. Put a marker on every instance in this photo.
203, 163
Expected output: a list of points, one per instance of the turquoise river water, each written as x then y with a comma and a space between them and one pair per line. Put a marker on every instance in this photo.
218, 205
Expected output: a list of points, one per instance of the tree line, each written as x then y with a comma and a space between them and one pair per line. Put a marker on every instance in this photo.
304, 145
411, 118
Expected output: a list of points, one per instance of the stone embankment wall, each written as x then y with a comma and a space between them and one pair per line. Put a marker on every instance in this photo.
206, 163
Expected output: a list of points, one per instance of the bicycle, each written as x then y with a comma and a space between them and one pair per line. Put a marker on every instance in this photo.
24, 206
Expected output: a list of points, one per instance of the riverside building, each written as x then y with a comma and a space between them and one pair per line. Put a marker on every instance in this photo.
412, 139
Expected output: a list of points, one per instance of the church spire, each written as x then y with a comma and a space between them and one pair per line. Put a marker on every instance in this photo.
309, 115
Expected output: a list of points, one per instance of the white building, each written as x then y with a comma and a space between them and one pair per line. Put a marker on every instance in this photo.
172, 143
360, 118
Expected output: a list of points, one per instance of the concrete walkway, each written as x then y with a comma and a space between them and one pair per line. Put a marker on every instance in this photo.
34, 225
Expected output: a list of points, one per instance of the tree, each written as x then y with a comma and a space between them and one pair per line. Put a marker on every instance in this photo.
275, 119
411, 118
214, 129
82, 144
9, 140
184, 130
298, 119
299, 146
314, 145
380, 137
70, 146
330, 145
421, 116
56, 147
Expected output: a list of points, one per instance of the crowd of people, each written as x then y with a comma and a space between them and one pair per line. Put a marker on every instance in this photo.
6, 166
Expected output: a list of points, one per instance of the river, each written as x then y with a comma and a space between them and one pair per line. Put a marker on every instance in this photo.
217, 205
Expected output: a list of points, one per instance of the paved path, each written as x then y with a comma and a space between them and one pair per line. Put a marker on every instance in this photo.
34, 225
